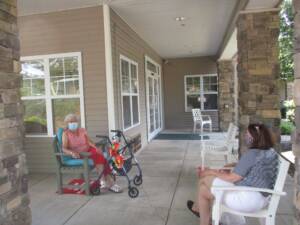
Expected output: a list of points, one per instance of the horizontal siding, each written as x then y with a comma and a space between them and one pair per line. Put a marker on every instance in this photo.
174, 102
69, 31
39, 154
127, 42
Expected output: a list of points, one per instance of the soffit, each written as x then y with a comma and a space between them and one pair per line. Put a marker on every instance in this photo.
200, 34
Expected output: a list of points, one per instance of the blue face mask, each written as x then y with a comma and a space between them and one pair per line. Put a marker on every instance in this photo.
72, 126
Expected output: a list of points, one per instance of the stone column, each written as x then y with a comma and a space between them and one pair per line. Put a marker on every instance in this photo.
296, 144
226, 93
14, 200
258, 70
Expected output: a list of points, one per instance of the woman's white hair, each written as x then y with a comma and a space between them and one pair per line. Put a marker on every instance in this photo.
70, 117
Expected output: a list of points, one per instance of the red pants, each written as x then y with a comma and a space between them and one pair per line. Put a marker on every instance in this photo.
99, 159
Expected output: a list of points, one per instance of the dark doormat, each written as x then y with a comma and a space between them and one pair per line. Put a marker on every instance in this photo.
164, 136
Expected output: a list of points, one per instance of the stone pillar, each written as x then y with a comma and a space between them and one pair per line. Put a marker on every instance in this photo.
226, 93
258, 71
14, 200
296, 144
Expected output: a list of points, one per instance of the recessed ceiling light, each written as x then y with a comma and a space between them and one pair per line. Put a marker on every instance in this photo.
180, 18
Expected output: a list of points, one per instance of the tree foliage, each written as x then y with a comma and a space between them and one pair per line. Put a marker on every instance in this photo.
286, 40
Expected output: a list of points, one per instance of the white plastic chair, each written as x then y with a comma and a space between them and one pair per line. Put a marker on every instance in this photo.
269, 212
202, 120
217, 147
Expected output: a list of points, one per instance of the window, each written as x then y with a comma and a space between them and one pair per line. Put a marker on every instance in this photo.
51, 89
129, 92
201, 91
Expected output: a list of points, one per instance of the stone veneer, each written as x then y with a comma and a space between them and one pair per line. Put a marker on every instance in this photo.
226, 93
14, 200
296, 144
258, 70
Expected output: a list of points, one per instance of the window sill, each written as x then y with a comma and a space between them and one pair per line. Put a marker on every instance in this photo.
136, 125
38, 136
205, 110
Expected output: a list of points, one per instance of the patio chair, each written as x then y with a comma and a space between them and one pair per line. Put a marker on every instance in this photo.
68, 165
217, 147
269, 212
201, 120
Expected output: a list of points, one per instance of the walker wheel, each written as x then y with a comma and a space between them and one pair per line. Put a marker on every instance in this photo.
133, 192
95, 190
138, 180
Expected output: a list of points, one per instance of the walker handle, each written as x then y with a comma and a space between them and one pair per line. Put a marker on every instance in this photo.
104, 137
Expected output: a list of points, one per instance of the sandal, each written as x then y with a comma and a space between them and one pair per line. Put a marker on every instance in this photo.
189, 205
115, 188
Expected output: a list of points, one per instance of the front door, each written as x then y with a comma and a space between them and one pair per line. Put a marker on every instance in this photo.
153, 99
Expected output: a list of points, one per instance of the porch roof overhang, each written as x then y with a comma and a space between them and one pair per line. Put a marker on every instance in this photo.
228, 49
207, 29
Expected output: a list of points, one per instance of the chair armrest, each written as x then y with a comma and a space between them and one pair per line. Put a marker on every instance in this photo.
244, 188
208, 116
61, 154
213, 148
85, 154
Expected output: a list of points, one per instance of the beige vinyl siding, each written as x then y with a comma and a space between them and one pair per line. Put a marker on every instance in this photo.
79, 30
174, 71
125, 41
39, 154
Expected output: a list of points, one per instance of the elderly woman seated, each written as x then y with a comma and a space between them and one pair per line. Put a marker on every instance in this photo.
75, 140
256, 168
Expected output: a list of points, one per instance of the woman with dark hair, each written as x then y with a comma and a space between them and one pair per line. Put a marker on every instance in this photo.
256, 168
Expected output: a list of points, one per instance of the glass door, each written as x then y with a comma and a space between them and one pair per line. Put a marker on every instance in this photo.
153, 100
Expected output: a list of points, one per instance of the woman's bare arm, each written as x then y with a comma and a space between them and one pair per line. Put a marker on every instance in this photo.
227, 176
230, 165
91, 143
65, 148
231, 177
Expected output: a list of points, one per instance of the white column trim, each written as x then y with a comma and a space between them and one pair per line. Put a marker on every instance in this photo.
236, 94
109, 69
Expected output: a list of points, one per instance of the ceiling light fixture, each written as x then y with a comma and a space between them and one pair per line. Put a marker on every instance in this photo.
180, 18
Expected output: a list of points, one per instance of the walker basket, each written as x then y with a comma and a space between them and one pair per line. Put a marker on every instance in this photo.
126, 166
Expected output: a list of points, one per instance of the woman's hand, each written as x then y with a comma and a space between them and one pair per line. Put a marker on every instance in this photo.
202, 172
75, 155
230, 165
224, 170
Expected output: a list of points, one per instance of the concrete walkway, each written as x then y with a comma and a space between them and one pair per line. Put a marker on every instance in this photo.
169, 180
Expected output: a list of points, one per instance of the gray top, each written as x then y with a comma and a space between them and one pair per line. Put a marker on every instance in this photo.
258, 168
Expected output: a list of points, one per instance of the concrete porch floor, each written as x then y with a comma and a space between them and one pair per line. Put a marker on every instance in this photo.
169, 176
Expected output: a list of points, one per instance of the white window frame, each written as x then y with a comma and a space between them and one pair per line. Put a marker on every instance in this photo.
130, 61
202, 92
48, 98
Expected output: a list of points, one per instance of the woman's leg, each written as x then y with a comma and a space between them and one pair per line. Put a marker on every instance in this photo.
205, 197
99, 161
207, 181
101, 164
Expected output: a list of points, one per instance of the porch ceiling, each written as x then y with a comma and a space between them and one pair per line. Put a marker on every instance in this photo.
154, 20
205, 25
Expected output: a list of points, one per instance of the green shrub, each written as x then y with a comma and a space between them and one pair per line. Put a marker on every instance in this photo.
36, 119
286, 127
290, 110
